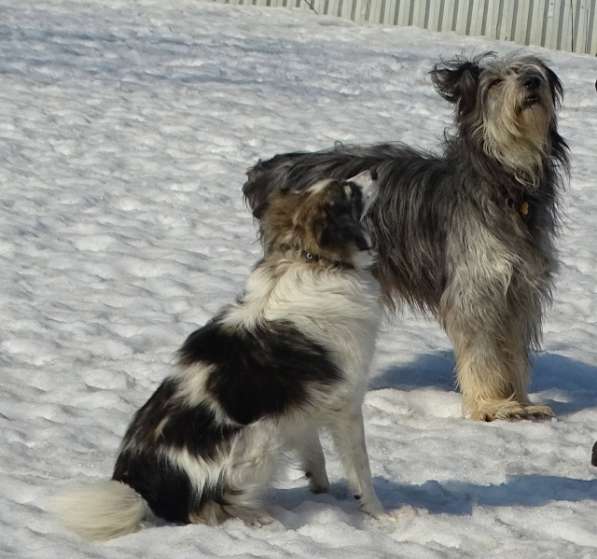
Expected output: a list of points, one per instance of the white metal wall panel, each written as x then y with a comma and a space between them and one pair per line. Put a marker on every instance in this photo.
565, 33
592, 38
569, 25
550, 38
522, 16
493, 20
374, 11
418, 13
387, 17
506, 20
478, 15
404, 13
461, 14
579, 34
535, 31
433, 15
447, 16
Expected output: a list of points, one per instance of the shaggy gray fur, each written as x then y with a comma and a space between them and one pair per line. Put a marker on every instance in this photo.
467, 234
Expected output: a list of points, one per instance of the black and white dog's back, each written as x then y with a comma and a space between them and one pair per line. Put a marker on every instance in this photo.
289, 357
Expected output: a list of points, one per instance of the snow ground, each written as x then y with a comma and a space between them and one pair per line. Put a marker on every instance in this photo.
125, 130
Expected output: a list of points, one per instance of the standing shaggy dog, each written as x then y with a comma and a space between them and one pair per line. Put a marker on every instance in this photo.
466, 235
289, 357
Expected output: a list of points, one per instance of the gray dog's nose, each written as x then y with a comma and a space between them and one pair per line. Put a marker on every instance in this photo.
532, 82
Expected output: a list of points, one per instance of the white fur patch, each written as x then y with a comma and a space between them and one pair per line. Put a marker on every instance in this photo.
259, 289
368, 186
191, 383
339, 310
319, 186
246, 467
364, 259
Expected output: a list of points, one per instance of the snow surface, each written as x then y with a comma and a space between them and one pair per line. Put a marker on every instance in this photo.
125, 130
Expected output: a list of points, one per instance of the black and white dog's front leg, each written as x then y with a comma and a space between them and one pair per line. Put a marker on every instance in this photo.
305, 441
348, 433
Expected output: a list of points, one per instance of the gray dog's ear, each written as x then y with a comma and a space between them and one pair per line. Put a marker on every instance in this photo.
557, 90
457, 81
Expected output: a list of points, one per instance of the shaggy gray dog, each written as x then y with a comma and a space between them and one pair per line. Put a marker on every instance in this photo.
466, 235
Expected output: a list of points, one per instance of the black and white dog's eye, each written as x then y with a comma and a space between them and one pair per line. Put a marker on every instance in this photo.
495, 82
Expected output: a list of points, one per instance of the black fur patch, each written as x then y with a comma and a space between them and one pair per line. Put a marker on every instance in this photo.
260, 372
196, 430
457, 80
193, 428
166, 488
145, 422
342, 225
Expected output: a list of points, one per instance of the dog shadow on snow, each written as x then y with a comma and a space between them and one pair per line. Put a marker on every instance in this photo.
447, 497
459, 497
568, 385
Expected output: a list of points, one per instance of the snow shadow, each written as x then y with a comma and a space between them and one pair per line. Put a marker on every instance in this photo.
568, 385
294, 506
297, 506
431, 370
459, 498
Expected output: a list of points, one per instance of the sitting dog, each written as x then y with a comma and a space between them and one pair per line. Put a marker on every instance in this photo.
466, 235
291, 356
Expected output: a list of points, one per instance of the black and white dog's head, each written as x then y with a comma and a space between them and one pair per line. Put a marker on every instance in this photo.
324, 220
507, 106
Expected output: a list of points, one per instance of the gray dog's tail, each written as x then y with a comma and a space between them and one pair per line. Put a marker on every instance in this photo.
265, 177
101, 511
298, 170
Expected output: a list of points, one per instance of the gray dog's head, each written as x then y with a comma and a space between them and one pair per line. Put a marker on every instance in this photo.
507, 106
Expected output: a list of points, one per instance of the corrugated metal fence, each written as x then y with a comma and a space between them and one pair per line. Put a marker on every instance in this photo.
558, 24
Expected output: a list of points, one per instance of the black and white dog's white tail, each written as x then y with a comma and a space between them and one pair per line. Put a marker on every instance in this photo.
101, 511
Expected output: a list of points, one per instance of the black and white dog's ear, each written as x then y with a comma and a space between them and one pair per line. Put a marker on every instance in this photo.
457, 81
345, 210
367, 182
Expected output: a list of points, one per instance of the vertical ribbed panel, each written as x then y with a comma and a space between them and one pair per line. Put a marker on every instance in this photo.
569, 25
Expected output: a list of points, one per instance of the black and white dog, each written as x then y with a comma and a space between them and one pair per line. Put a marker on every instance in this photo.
290, 357
466, 234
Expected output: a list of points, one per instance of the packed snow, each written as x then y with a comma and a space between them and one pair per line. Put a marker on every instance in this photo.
125, 131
